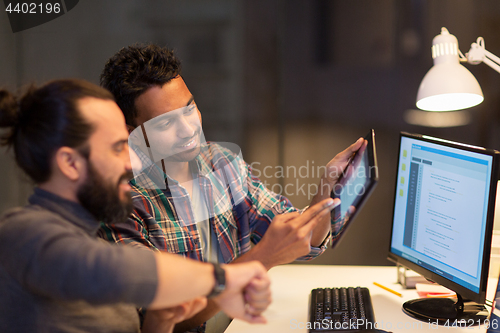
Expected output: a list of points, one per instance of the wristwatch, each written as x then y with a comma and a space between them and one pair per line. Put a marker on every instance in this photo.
220, 281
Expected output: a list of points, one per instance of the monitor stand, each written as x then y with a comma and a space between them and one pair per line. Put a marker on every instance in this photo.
445, 311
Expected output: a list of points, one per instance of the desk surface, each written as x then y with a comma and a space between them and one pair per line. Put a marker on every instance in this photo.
292, 284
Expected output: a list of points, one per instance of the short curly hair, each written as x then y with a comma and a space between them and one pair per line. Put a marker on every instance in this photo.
135, 69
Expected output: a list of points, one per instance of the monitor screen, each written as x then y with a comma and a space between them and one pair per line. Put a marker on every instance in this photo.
443, 212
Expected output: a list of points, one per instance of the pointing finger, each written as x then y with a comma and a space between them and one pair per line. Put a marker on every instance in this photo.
323, 206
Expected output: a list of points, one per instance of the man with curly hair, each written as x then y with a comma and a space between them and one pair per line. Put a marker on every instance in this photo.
200, 199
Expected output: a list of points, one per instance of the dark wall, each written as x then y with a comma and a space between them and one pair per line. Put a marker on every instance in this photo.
320, 73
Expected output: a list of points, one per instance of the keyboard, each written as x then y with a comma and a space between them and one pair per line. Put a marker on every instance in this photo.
341, 310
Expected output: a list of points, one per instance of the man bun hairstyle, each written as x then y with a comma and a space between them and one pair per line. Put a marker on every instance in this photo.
135, 69
8, 115
45, 119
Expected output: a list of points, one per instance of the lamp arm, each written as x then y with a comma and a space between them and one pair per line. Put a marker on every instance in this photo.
478, 54
492, 60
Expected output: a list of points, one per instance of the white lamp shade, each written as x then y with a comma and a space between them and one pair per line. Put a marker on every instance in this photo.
448, 87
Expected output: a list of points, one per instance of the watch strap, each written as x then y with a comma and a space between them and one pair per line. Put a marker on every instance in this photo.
220, 281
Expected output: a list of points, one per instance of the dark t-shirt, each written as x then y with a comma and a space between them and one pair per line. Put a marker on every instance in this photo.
56, 276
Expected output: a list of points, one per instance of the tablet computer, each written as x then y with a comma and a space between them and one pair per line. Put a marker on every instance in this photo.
354, 186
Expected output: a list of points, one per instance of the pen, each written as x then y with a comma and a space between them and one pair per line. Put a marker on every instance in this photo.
388, 289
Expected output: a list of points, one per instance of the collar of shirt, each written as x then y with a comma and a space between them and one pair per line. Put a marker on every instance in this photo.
69, 210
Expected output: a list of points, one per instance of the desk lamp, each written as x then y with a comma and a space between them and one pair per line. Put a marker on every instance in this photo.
449, 86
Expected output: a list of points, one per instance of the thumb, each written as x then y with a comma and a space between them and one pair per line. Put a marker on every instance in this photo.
255, 319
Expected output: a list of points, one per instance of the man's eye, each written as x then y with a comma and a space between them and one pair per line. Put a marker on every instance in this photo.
190, 110
163, 125
120, 148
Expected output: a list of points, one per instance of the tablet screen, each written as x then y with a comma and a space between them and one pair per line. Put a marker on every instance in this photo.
354, 186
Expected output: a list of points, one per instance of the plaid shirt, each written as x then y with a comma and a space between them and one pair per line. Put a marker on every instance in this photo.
240, 208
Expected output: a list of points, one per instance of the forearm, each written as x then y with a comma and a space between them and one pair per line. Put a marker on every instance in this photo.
257, 252
289, 236
180, 280
211, 310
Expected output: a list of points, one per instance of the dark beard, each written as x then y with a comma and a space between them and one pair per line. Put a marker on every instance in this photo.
102, 199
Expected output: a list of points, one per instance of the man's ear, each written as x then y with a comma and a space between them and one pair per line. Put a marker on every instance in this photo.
70, 163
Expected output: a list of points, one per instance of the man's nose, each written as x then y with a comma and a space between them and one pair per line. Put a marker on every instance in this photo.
185, 129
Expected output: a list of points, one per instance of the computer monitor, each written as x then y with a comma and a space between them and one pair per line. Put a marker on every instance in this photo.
443, 221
